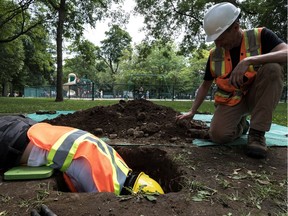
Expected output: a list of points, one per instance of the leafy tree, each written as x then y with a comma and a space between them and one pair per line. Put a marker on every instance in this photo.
26, 61
83, 62
168, 19
192, 75
16, 19
67, 19
266, 13
157, 70
21, 22
112, 48
39, 62
109, 55
11, 64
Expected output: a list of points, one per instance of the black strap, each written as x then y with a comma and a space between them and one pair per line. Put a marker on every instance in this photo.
129, 183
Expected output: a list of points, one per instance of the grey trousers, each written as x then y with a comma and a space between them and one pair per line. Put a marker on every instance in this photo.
260, 102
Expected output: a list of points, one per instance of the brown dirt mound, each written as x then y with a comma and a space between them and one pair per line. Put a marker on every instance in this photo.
139, 121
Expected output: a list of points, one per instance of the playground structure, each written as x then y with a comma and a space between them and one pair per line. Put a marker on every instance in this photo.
76, 87
72, 78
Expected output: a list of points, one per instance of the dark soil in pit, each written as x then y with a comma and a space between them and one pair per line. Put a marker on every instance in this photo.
218, 180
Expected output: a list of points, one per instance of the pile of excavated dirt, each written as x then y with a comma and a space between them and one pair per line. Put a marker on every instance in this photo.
136, 121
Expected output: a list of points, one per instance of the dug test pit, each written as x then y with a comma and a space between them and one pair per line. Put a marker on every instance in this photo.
155, 163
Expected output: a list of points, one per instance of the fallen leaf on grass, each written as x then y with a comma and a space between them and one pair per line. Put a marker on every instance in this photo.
263, 182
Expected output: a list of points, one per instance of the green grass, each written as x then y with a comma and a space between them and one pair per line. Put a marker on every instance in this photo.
31, 105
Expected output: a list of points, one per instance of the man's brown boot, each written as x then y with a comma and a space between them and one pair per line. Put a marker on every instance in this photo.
256, 147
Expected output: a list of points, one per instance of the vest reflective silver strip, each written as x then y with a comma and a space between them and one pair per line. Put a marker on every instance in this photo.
62, 152
219, 60
252, 43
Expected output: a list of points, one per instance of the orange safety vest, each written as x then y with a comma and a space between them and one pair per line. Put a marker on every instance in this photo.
221, 68
65, 144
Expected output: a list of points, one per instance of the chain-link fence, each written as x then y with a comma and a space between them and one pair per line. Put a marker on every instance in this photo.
123, 91
40, 91
110, 91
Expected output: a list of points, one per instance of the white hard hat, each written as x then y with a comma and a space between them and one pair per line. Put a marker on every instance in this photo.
218, 18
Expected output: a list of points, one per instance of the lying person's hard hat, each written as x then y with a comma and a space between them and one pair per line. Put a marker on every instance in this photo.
146, 184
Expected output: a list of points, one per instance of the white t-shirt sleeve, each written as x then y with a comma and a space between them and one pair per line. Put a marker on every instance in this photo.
37, 157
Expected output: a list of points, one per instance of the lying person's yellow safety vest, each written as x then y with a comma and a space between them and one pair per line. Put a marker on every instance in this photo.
65, 144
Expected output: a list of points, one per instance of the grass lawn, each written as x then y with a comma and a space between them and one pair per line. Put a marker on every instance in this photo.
31, 105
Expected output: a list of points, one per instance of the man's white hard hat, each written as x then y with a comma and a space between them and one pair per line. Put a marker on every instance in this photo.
218, 18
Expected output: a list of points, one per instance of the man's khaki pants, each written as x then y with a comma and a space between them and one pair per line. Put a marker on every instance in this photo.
260, 102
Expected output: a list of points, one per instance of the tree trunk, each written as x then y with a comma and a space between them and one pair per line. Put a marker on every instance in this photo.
4, 89
59, 41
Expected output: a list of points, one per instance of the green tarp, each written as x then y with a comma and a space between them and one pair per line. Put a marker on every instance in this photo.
41, 117
277, 136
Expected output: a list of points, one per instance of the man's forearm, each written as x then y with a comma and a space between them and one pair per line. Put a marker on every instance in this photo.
279, 55
200, 97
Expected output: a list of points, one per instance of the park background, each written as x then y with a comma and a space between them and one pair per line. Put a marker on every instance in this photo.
47, 50
48, 63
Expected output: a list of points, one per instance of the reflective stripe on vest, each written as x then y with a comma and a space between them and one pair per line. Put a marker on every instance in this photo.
62, 152
252, 44
118, 166
252, 41
218, 62
221, 67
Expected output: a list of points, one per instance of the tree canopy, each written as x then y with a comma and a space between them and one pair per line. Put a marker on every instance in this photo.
28, 28
111, 50
168, 19
16, 19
